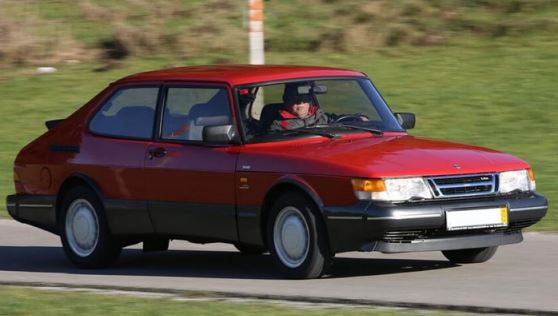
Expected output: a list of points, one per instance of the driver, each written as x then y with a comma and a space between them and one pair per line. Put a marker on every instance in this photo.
299, 111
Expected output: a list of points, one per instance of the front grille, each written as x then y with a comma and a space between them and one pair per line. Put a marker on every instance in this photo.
402, 236
463, 185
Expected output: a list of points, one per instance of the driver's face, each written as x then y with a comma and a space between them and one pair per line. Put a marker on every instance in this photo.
301, 109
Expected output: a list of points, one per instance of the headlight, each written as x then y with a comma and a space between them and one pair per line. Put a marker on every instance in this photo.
394, 190
522, 180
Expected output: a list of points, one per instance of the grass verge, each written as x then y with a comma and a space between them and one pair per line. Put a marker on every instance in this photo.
29, 302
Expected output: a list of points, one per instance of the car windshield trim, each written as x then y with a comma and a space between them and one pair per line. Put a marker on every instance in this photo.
315, 131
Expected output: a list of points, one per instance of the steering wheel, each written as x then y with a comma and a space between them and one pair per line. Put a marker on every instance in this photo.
351, 117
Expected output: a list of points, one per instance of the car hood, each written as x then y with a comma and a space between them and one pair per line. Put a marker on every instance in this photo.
379, 156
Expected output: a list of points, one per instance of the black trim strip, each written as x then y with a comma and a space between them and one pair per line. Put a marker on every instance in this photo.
214, 221
56, 148
128, 217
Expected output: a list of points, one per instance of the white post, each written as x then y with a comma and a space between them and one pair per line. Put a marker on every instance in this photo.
255, 31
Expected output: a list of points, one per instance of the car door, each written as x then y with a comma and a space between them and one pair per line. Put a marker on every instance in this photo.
112, 154
191, 182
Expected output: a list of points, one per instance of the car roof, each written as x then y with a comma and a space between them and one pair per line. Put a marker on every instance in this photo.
239, 74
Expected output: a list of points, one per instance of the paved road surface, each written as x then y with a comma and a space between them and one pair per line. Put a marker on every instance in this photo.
523, 276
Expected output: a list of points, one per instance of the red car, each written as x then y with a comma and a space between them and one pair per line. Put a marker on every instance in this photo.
191, 153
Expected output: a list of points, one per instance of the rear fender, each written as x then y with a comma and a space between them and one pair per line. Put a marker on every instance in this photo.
74, 180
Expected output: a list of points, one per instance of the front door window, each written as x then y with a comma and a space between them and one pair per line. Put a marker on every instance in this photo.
189, 109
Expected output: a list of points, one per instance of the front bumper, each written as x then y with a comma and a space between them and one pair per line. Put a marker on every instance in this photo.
36, 210
421, 226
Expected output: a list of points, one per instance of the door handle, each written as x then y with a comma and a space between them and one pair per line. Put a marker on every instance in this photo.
158, 152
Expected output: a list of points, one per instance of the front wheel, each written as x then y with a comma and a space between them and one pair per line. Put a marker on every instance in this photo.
296, 237
475, 255
84, 231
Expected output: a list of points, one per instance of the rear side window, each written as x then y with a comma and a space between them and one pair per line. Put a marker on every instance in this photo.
130, 112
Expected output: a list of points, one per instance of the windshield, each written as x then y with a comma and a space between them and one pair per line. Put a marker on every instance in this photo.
313, 107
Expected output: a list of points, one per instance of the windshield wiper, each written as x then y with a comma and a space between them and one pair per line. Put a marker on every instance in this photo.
374, 131
311, 131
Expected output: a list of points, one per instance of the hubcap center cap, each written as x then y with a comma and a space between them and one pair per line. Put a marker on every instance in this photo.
82, 227
291, 237
294, 237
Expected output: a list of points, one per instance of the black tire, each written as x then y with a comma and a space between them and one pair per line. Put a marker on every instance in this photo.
249, 250
104, 251
476, 255
318, 258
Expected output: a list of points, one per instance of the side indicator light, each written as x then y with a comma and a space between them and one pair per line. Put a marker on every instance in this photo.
531, 174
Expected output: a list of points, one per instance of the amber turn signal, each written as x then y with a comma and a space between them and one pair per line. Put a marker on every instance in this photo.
369, 185
531, 174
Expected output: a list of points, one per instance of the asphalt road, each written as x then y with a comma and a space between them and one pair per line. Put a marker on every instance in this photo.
522, 276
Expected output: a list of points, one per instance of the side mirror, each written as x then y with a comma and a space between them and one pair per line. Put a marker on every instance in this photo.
406, 120
219, 134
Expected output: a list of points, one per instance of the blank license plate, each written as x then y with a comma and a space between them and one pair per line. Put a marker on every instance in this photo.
477, 218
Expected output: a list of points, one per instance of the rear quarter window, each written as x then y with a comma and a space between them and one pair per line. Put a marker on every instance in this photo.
129, 113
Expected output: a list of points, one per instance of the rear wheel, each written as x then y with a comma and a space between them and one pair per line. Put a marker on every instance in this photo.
84, 231
475, 255
296, 237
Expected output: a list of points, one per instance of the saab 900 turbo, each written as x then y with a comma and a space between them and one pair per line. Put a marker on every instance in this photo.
303, 162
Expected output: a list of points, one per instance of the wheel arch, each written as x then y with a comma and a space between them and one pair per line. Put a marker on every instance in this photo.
73, 180
286, 184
